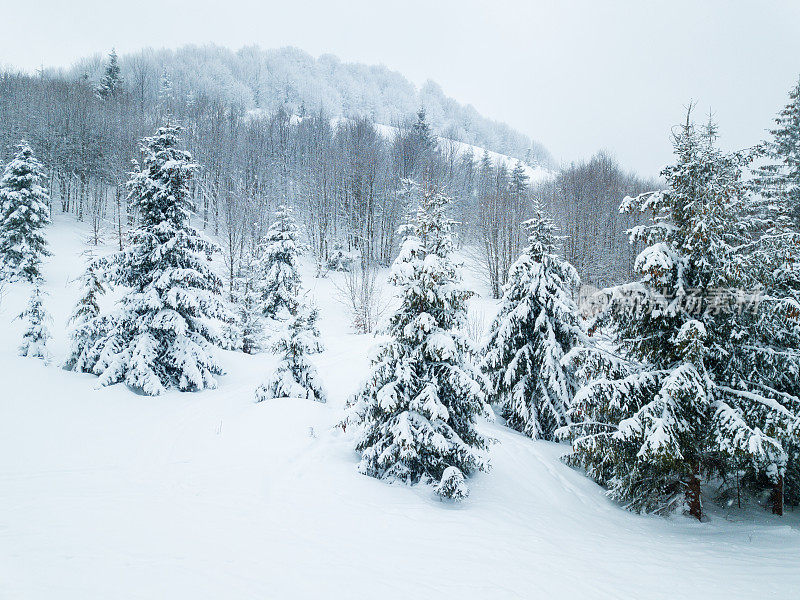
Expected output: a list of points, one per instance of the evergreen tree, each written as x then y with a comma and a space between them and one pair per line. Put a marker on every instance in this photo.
23, 213
295, 376
89, 325
111, 82
423, 135
280, 281
518, 184
166, 94
781, 177
452, 485
769, 334
537, 326
248, 308
36, 336
684, 407
163, 333
415, 415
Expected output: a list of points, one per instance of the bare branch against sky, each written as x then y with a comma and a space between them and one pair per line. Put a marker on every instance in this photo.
578, 76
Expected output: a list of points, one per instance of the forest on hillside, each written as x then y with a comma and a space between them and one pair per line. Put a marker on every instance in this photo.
345, 175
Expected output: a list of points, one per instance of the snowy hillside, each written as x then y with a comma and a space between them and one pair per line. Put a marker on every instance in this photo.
110, 494
262, 80
534, 172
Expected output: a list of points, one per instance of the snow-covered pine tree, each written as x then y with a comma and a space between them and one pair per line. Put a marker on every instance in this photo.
280, 281
781, 176
683, 408
164, 330
111, 81
89, 326
518, 183
166, 94
295, 376
415, 415
769, 333
23, 213
538, 324
315, 345
37, 335
424, 137
453, 485
247, 297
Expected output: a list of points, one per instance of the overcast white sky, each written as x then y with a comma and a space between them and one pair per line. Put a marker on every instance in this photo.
576, 75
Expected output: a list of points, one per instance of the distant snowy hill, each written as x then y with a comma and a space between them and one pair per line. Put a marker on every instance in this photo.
259, 79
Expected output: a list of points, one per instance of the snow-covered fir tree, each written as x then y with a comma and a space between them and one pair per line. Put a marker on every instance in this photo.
24, 213
538, 324
37, 334
111, 81
89, 325
247, 298
781, 176
164, 331
452, 485
765, 365
769, 334
684, 408
518, 182
295, 376
166, 94
415, 415
423, 135
280, 281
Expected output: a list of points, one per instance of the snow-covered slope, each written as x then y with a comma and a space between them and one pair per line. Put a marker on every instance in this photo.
109, 494
534, 172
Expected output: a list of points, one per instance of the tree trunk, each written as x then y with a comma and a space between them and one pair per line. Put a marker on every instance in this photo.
693, 498
777, 497
119, 216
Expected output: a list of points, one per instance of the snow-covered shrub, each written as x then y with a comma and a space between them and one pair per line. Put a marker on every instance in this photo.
340, 259
360, 292
452, 485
